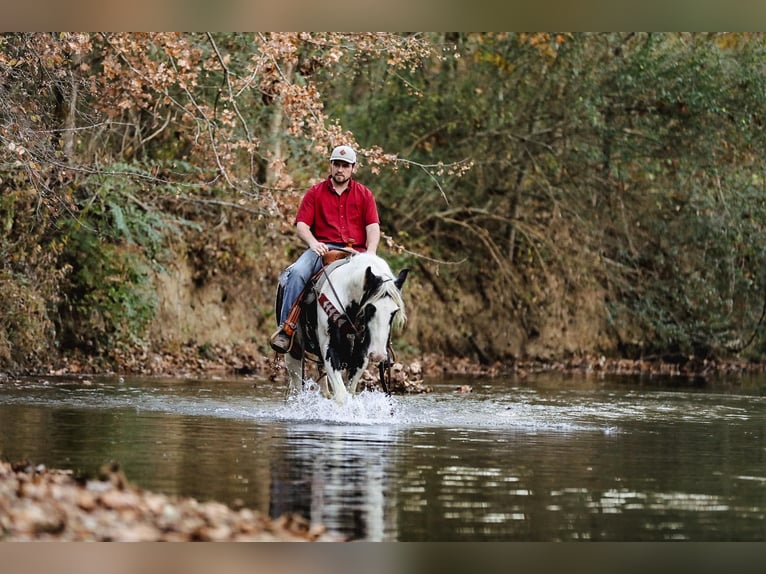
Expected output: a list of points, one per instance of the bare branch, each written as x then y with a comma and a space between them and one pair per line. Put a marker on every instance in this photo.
227, 77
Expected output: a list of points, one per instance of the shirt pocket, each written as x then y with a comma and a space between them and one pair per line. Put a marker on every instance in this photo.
355, 215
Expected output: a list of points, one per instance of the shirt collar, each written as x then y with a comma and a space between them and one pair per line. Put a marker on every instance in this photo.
331, 187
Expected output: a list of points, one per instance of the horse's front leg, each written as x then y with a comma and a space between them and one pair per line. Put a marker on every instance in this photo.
335, 378
332, 362
356, 376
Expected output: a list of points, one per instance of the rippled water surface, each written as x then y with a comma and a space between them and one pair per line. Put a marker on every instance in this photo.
543, 459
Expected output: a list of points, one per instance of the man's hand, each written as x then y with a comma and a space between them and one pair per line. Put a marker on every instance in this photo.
319, 248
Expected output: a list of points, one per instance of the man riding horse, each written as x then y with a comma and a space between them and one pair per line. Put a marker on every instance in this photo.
337, 213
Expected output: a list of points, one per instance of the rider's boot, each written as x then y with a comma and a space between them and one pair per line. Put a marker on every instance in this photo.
282, 339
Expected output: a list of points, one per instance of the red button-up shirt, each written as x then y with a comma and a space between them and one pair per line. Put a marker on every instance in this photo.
340, 218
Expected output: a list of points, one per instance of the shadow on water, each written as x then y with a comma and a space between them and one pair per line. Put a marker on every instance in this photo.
547, 458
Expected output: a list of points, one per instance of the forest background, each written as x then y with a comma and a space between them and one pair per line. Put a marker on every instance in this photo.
555, 195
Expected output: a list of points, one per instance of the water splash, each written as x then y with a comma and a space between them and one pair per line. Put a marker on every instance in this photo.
365, 408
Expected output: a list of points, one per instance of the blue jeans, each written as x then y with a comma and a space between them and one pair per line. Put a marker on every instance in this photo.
295, 277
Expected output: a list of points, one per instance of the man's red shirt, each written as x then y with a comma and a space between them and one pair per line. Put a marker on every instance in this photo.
340, 218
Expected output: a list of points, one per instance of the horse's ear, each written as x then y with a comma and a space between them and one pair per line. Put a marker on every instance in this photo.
399, 282
371, 281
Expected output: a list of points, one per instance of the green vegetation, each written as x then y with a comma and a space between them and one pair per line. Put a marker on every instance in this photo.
554, 194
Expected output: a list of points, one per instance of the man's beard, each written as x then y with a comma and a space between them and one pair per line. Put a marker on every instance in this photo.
338, 178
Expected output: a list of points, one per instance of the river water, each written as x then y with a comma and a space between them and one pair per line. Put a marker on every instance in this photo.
547, 458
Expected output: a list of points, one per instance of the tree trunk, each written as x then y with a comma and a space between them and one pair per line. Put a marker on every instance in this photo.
70, 120
275, 152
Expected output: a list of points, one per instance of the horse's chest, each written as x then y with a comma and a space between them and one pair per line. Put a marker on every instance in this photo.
335, 317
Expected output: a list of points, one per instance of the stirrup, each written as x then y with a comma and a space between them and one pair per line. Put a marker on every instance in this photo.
280, 334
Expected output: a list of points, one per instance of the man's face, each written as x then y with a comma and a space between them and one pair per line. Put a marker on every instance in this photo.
341, 171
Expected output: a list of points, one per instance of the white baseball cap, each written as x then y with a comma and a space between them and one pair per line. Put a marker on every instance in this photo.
343, 153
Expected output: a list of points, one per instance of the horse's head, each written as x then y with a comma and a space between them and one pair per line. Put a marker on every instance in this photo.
382, 309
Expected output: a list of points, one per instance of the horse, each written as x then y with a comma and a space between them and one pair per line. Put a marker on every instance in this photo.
349, 311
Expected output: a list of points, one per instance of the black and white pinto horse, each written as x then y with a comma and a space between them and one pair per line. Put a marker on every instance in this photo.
346, 322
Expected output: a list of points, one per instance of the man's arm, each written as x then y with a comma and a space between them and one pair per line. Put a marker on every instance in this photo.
373, 237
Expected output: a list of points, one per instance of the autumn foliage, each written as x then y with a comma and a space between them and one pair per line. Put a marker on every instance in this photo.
555, 193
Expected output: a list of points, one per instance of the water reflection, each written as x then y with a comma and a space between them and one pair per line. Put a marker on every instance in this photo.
339, 477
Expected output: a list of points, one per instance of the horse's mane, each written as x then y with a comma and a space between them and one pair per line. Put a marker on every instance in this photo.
356, 269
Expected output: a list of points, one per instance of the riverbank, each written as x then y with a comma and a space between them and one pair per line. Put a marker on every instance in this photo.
37, 503
410, 373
